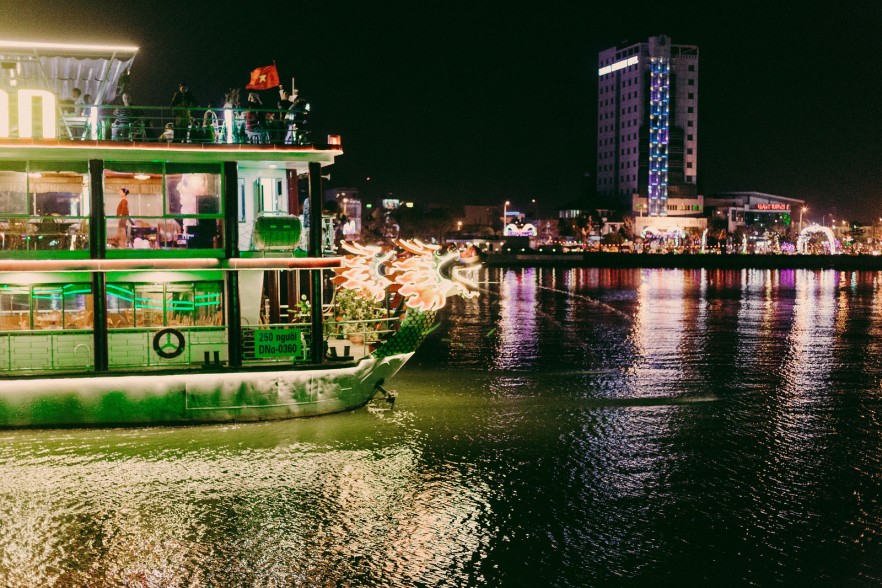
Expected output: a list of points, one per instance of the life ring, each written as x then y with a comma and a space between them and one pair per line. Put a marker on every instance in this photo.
175, 350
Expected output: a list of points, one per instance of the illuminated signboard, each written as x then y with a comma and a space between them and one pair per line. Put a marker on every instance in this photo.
275, 343
513, 230
26, 113
784, 207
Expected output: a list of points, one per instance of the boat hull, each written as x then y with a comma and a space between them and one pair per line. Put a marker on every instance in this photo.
193, 397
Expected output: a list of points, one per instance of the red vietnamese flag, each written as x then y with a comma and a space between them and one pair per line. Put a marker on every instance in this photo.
264, 78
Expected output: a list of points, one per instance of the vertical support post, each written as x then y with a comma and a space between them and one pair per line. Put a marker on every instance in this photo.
98, 250
234, 320
317, 340
316, 200
97, 221
231, 210
99, 327
231, 251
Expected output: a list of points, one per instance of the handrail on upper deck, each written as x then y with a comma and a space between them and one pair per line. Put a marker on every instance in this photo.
155, 124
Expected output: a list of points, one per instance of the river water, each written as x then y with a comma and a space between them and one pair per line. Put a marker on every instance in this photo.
576, 427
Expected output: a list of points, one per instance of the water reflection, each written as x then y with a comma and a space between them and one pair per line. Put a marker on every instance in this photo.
569, 427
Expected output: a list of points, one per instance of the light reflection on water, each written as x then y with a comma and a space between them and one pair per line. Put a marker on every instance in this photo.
568, 428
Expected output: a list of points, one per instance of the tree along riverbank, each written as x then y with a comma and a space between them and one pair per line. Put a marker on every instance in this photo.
688, 261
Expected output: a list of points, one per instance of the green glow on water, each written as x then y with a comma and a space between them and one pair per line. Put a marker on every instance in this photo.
567, 428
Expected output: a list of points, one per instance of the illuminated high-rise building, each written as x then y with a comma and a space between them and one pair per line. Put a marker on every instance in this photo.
647, 124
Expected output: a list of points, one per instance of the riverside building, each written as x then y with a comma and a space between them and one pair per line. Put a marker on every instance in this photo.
647, 133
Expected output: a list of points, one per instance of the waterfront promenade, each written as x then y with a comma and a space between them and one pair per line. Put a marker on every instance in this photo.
686, 261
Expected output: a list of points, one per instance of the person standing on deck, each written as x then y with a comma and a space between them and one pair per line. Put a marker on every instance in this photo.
182, 102
122, 211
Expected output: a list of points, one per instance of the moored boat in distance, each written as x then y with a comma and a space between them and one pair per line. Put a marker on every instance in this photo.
149, 279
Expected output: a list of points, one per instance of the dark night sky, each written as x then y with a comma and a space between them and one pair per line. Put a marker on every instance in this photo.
449, 102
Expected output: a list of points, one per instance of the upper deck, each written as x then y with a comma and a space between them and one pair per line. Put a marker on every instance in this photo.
195, 178
62, 102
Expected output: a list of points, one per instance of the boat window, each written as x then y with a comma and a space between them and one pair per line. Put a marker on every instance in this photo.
195, 198
77, 310
173, 304
179, 304
270, 195
58, 193
149, 306
120, 306
15, 310
13, 192
208, 301
46, 307
48, 303
145, 193
193, 193
168, 206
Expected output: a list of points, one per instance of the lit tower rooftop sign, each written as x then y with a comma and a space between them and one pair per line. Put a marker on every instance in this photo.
26, 113
49, 72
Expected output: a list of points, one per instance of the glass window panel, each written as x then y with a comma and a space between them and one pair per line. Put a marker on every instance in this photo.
145, 193
120, 306
13, 193
78, 309
48, 303
148, 305
179, 304
14, 308
196, 194
209, 304
62, 194
271, 195
193, 193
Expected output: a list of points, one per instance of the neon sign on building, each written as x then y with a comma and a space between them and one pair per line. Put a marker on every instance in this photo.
26, 113
513, 230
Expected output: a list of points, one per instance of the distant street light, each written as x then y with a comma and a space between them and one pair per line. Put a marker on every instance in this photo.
801, 211
505, 215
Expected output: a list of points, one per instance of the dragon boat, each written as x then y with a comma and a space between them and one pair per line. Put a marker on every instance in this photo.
153, 281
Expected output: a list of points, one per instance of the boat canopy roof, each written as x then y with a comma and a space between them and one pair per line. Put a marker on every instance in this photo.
61, 67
